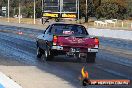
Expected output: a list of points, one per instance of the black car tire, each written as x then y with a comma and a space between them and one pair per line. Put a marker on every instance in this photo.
78, 58
91, 57
39, 54
48, 55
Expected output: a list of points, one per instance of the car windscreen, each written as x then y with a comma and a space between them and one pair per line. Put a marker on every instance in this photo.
68, 29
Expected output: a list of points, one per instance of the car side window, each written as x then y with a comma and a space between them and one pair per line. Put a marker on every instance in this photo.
45, 31
51, 29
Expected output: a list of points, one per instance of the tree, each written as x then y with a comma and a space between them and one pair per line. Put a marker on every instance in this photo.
99, 8
112, 9
129, 9
91, 9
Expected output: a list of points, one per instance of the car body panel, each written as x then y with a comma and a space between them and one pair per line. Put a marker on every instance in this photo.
65, 43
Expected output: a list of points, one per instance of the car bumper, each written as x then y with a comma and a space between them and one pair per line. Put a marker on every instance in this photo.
60, 48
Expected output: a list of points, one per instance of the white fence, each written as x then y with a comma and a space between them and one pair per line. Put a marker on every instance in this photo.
113, 23
120, 34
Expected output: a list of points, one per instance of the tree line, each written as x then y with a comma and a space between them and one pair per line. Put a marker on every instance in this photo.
108, 9
101, 9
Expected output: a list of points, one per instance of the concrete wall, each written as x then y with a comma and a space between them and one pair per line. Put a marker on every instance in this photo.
121, 34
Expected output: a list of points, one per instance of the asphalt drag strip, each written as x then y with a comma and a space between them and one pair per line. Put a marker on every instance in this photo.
21, 49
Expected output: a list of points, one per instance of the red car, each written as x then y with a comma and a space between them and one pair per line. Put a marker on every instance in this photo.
67, 39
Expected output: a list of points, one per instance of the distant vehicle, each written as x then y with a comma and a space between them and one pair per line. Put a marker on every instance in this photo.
67, 39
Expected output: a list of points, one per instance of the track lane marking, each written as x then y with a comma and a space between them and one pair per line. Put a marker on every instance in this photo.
6, 82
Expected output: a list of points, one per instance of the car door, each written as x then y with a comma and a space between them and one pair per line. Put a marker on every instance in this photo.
41, 39
46, 38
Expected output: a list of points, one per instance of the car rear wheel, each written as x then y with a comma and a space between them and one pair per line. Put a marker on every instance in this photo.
39, 54
91, 57
78, 58
48, 55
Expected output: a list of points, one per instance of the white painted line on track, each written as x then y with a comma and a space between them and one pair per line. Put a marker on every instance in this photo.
6, 82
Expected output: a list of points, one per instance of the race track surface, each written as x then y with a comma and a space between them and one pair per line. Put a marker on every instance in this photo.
114, 60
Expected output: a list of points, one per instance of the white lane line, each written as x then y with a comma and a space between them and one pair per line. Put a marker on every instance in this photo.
1, 86
6, 82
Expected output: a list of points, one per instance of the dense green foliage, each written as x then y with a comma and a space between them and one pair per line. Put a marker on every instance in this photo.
118, 9
26, 7
111, 10
121, 9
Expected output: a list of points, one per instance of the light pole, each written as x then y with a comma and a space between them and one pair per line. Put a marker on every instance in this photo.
42, 5
8, 9
76, 6
86, 19
61, 6
34, 11
78, 11
19, 12
58, 5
